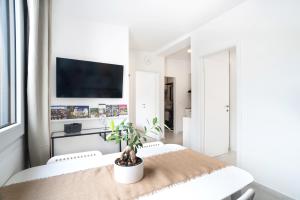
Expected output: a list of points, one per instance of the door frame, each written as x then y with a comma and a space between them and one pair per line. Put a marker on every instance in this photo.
238, 105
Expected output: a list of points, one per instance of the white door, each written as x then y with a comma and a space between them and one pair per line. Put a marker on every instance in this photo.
147, 97
216, 73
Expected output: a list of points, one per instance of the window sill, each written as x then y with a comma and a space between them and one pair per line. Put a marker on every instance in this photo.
10, 134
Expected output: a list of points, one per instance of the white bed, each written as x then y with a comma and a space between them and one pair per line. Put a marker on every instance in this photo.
217, 185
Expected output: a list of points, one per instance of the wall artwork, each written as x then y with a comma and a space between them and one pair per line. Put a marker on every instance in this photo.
123, 109
102, 110
108, 111
115, 110
94, 112
112, 110
75, 112
58, 112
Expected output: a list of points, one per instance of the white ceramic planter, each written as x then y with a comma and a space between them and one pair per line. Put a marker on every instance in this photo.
130, 174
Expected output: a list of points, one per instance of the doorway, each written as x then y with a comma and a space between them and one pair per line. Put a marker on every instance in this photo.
177, 96
169, 102
220, 104
171, 137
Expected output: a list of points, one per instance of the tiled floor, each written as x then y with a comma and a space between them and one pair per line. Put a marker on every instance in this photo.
261, 192
172, 138
229, 158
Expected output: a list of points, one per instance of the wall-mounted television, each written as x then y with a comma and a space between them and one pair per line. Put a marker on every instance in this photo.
86, 79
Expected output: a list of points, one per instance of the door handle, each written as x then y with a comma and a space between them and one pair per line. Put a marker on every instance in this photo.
227, 108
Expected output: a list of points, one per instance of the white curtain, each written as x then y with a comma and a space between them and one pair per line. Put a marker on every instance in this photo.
37, 81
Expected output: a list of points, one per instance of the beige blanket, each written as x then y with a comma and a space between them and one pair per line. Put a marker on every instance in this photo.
98, 183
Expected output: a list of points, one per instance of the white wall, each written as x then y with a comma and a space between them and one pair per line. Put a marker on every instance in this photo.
12, 159
180, 70
266, 34
86, 40
150, 62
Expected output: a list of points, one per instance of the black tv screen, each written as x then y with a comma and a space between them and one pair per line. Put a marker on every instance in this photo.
86, 79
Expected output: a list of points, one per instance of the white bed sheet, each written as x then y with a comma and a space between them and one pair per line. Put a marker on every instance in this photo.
217, 185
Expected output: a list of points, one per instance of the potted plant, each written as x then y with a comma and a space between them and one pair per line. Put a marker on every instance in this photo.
129, 168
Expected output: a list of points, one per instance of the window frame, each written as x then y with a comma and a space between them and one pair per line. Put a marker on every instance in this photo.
13, 65
9, 60
11, 133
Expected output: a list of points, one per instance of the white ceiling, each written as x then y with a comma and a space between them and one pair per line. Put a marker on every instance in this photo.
152, 23
181, 54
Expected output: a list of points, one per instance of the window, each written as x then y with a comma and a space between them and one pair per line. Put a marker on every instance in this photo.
7, 64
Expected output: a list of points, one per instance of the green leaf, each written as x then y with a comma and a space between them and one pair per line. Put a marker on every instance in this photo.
117, 128
125, 137
139, 144
123, 123
112, 125
154, 121
157, 129
118, 139
135, 139
111, 137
